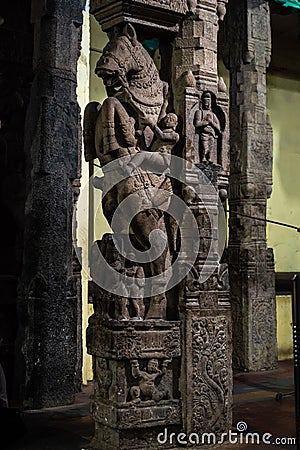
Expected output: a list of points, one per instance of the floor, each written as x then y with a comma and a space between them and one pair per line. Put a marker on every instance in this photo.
71, 428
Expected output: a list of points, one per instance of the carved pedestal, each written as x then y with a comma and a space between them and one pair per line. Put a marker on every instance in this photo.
136, 370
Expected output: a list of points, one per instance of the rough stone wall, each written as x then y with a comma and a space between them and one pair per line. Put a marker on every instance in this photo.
16, 72
251, 263
48, 302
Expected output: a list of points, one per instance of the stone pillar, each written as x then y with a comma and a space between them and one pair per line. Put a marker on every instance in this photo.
251, 265
206, 375
16, 67
48, 303
156, 375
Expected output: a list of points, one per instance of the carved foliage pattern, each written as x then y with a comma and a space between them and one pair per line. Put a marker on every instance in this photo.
210, 373
263, 334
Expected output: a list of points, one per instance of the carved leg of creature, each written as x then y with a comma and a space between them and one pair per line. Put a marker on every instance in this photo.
112, 138
142, 225
139, 308
109, 204
121, 308
159, 395
172, 231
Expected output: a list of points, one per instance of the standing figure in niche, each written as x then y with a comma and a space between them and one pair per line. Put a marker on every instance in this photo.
208, 127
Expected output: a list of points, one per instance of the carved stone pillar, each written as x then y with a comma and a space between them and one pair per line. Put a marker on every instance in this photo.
251, 264
206, 375
48, 303
152, 371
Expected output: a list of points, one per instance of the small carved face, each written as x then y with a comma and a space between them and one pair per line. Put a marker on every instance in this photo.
135, 392
170, 121
206, 100
153, 366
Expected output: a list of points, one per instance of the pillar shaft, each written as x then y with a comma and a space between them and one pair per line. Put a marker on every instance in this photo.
48, 301
206, 380
251, 263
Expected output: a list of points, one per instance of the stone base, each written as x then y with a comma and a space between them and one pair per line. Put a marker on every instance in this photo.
136, 381
107, 438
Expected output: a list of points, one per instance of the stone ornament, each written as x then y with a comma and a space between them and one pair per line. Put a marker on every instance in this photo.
208, 127
147, 379
132, 120
168, 355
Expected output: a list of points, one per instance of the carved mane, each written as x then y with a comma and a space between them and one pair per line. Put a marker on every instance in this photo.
125, 59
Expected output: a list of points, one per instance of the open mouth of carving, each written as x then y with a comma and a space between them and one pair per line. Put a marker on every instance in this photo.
110, 78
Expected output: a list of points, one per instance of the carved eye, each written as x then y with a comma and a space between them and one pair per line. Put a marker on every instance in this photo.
122, 48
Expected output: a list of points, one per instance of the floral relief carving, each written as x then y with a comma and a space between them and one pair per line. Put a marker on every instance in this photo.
210, 374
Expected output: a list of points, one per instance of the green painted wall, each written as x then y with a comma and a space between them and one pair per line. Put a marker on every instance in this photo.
98, 40
283, 99
284, 327
283, 105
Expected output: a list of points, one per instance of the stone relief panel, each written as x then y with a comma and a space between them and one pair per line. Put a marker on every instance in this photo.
148, 380
143, 340
211, 378
263, 334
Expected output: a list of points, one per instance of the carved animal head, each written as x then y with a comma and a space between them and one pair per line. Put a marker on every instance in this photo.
122, 59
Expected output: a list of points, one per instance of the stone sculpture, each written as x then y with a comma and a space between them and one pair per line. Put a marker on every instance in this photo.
126, 125
147, 378
173, 368
135, 288
208, 126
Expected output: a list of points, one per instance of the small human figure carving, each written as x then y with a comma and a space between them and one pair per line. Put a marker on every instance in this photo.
207, 125
147, 380
166, 139
135, 289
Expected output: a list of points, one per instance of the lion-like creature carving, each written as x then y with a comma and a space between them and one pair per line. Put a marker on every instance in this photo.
127, 124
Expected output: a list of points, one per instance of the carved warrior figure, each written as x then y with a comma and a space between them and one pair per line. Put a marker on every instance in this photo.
147, 379
126, 125
208, 126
